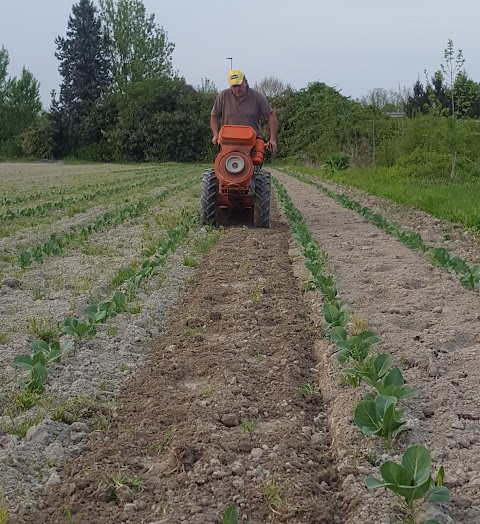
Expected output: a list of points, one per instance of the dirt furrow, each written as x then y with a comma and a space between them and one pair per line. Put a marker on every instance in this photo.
226, 412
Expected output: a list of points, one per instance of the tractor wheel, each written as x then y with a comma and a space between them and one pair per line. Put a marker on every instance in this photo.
261, 210
209, 198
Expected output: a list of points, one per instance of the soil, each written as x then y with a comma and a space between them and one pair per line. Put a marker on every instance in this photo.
241, 401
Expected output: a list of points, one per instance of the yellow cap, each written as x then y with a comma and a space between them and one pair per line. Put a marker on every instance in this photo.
235, 77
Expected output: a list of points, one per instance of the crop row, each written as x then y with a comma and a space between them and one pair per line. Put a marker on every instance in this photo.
58, 241
469, 276
44, 209
54, 191
77, 328
378, 412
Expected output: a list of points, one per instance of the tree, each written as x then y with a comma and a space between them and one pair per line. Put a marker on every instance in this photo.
84, 67
140, 48
272, 87
20, 105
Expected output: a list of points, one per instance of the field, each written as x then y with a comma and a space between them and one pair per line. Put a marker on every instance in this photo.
187, 374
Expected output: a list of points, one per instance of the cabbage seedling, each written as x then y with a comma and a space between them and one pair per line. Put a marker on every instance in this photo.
379, 417
411, 480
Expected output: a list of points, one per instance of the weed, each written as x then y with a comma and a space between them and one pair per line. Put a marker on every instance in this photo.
43, 328
68, 514
306, 326
307, 390
308, 285
274, 495
207, 392
123, 367
199, 330
21, 429
258, 291
258, 354
189, 261
102, 386
24, 400
204, 244
3, 338
359, 324
37, 295
159, 447
249, 426
112, 331
4, 513
119, 481
135, 309
230, 516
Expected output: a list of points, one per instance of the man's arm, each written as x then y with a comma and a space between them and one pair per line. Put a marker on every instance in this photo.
215, 127
273, 126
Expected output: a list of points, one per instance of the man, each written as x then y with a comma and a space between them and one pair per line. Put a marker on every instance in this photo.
243, 106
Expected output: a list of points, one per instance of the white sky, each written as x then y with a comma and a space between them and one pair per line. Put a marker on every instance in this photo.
353, 45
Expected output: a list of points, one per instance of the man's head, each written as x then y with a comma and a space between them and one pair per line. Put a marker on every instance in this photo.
238, 83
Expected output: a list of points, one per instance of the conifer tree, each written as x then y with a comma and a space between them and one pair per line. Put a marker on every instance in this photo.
84, 67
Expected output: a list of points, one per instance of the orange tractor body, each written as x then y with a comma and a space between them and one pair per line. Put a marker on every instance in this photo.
237, 182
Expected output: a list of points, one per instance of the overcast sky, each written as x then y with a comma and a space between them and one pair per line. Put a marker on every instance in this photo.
353, 45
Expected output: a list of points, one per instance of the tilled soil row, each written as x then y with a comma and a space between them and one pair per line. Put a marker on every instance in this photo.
430, 325
224, 413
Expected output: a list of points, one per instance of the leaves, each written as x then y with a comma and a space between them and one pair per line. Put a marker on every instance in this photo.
410, 480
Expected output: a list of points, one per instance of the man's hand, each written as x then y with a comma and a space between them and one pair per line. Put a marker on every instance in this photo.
215, 140
272, 145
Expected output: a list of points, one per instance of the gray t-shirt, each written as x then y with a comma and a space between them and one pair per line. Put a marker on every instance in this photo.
248, 111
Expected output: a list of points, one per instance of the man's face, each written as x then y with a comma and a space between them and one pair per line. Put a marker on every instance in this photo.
240, 90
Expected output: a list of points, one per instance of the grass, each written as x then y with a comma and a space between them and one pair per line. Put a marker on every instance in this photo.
207, 392
20, 430
249, 426
3, 338
274, 495
119, 481
189, 261
4, 514
200, 330
159, 447
455, 201
307, 390
43, 328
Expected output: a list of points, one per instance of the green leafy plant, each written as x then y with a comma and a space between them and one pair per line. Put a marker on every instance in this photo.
78, 328
355, 348
411, 480
334, 317
337, 162
380, 417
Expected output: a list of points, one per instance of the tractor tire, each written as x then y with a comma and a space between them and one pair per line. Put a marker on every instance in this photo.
209, 198
263, 190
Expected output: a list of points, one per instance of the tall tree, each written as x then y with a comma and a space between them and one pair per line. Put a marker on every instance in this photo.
84, 66
140, 48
